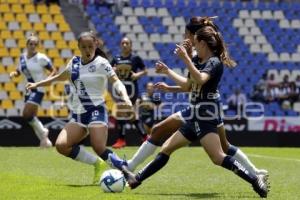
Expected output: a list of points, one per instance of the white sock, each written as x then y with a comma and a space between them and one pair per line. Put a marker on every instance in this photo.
38, 128
244, 160
145, 150
86, 156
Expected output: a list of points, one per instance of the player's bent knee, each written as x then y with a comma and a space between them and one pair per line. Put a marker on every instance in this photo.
62, 148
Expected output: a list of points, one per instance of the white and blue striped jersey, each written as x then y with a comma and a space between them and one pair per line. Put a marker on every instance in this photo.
88, 83
34, 67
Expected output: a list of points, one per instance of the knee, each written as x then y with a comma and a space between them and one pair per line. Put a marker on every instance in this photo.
62, 148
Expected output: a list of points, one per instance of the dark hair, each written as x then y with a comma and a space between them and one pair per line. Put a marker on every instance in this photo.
216, 44
197, 22
98, 42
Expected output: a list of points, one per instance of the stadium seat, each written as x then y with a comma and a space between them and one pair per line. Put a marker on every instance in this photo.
16, 8
29, 9
7, 104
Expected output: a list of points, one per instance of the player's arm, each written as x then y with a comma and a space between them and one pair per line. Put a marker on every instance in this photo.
63, 76
139, 74
183, 83
200, 77
143, 70
52, 71
168, 88
120, 88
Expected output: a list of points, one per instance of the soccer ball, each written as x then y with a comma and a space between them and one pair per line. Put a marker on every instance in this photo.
112, 180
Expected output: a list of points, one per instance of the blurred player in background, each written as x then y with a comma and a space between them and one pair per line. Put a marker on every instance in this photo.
33, 64
129, 68
201, 119
88, 75
167, 127
147, 106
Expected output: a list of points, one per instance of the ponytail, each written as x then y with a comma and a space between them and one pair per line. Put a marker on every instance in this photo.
197, 22
222, 52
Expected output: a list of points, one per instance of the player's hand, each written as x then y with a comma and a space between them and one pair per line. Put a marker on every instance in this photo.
181, 52
134, 76
13, 74
161, 86
127, 102
161, 68
187, 44
30, 86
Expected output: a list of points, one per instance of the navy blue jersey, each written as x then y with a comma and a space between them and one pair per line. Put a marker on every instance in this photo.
124, 68
209, 91
147, 105
126, 65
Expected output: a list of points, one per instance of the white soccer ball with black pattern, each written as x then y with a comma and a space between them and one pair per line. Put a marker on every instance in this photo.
112, 180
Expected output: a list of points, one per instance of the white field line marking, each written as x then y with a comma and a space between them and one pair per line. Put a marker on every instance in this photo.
274, 158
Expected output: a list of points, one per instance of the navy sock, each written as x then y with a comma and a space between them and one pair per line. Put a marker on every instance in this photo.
233, 165
158, 163
105, 153
153, 142
232, 150
74, 152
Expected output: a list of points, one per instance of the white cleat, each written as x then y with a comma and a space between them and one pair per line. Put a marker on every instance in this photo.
45, 143
262, 172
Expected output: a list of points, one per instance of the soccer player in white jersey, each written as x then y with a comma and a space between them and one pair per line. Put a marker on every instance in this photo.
88, 76
33, 64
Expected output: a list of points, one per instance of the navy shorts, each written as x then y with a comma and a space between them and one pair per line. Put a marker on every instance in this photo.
97, 114
200, 120
34, 97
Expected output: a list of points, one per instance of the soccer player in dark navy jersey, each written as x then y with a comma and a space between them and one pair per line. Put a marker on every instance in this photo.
129, 68
167, 127
201, 118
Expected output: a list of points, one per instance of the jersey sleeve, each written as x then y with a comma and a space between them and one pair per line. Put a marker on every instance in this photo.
210, 68
45, 62
109, 72
140, 63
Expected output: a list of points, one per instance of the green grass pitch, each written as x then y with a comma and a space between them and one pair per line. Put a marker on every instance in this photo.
34, 173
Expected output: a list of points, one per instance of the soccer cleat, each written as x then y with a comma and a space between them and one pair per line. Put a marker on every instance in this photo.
97, 170
120, 143
262, 172
116, 162
45, 143
261, 186
130, 178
